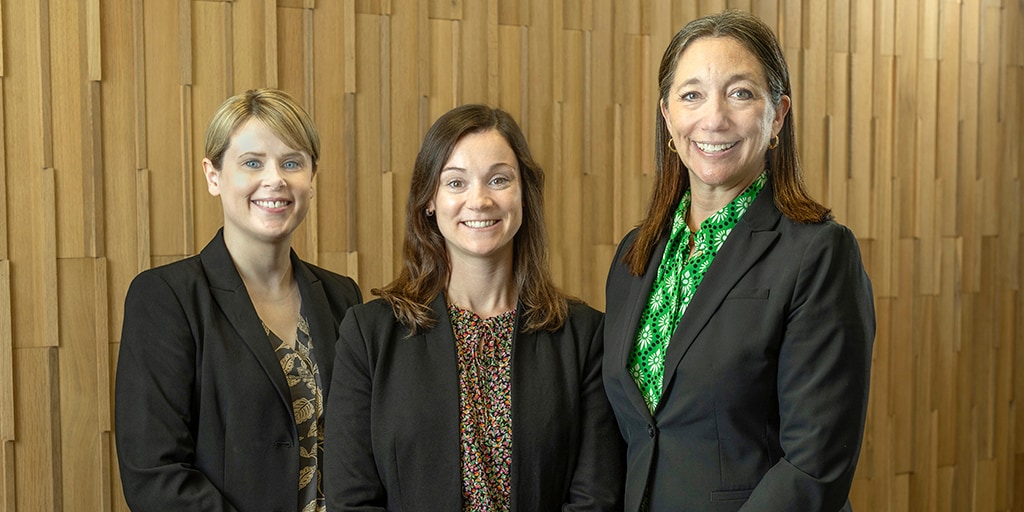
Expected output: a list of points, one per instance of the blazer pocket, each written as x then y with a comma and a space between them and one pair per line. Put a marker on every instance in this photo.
731, 495
747, 293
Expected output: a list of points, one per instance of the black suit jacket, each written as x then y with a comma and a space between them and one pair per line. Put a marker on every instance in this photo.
393, 418
204, 418
766, 376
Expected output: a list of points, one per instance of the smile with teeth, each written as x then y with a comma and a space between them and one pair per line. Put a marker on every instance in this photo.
479, 223
271, 204
713, 148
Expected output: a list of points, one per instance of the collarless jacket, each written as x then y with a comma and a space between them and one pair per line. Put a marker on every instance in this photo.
766, 376
393, 418
203, 413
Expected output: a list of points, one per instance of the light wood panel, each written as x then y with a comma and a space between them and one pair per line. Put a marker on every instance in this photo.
909, 118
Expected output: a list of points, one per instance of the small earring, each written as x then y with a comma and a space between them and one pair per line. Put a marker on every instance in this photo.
672, 145
773, 142
430, 213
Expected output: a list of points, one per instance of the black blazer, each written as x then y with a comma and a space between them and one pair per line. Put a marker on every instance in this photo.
392, 438
766, 376
203, 413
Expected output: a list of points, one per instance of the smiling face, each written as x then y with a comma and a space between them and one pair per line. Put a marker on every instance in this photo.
265, 186
720, 116
479, 200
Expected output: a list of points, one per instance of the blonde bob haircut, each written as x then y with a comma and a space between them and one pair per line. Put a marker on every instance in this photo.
274, 108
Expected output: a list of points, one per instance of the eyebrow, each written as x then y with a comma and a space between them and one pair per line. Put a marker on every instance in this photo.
262, 154
732, 79
492, 167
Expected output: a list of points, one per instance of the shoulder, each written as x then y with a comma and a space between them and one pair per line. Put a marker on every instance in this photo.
620, 252
818, 236
580, 313
336, 285
582, 324
375, 316
179, 276
626, 242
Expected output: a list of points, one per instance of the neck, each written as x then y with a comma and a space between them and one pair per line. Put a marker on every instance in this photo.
706, 200
485, 289
264, 267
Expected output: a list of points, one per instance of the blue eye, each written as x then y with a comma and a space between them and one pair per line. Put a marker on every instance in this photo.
291, 165
689, 96
252, 164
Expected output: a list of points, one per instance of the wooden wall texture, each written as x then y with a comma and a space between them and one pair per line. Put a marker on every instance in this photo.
910, 121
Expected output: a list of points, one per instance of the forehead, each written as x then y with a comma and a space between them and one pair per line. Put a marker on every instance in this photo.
254, 133
711, 56
481, 149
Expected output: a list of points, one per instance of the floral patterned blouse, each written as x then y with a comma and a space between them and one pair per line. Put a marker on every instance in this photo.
484, 349
303, 377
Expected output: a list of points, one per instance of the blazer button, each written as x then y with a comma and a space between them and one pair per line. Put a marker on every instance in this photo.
650, 431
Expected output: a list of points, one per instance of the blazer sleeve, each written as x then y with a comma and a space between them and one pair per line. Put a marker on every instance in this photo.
351, 481
597, 483
156, 376
823, 376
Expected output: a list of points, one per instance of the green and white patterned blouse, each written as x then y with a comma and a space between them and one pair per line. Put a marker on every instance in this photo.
679, 275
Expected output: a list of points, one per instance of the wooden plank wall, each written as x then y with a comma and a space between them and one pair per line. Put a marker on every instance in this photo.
910, 122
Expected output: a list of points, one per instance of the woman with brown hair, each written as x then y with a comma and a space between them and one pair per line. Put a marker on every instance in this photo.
740, 319
472, 383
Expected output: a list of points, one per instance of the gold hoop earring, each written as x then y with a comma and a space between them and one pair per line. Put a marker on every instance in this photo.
672, 145
773, 142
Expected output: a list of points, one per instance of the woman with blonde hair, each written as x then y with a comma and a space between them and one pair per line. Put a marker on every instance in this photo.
226, 357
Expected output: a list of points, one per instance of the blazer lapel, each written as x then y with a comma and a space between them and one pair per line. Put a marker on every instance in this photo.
751, 237
321, 321
438, 380
230, 294
636, 298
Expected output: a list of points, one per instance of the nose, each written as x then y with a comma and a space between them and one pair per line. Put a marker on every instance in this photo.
716, 114
274, 176
479, 197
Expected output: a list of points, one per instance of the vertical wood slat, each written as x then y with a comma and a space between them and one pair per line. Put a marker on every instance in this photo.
139, 71
46, 269
142, 227
38, 458
45, 86
94, 49
7, 426
92, 173
3, 169
79, 387
8, 491
270, 42
3, 59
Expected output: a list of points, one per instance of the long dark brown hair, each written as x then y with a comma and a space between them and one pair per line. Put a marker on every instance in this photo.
426, 269
672, 179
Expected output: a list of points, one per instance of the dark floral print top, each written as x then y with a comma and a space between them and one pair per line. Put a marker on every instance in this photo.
484, 349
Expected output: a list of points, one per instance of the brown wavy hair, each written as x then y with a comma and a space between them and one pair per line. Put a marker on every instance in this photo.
672, 178
426, 268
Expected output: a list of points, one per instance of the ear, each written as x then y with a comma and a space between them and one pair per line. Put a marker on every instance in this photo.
212, 177
780, 114
664, 111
